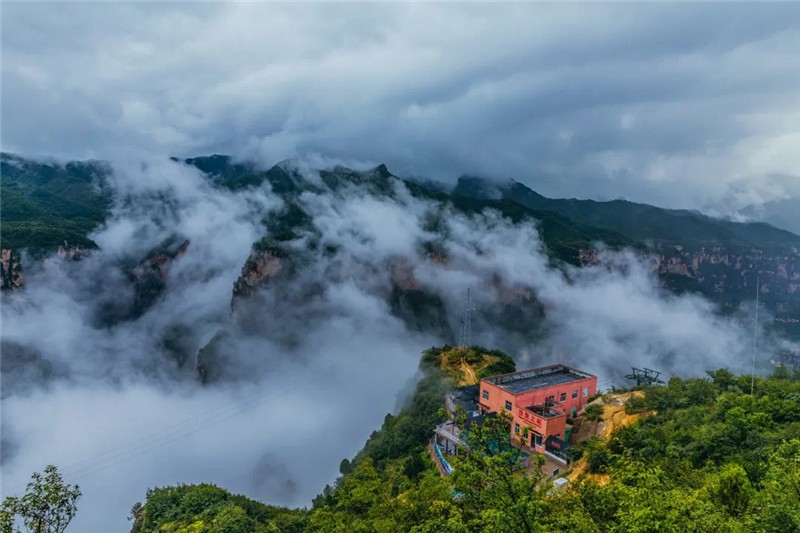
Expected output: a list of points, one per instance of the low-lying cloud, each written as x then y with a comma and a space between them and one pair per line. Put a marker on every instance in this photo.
310, 364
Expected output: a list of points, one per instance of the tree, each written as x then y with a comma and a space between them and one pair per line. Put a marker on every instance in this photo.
594, 412
732, 489
232, 519
494, 494
778, 505
48, 505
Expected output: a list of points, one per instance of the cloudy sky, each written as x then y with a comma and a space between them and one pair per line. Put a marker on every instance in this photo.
683, 105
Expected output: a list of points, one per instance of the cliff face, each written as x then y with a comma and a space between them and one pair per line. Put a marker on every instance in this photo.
71, 252
728, 274
150, 276
11, 275
260, 267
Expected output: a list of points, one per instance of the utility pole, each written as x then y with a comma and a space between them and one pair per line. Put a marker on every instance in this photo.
755, 339
465, 338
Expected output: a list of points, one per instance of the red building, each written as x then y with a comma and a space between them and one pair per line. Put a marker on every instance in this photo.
539, 400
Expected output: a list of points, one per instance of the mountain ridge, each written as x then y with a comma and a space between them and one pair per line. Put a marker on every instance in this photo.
717, 258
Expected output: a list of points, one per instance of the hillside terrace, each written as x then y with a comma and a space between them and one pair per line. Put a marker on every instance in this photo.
528, 380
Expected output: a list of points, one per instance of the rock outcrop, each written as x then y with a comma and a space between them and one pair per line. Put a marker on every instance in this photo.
261, 266
11, 275
71, 252
150, 276
730, 273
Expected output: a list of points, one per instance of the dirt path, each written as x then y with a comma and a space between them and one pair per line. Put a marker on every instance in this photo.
614, 417
470, 377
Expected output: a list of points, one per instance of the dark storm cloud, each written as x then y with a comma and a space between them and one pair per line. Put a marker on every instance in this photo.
684, 105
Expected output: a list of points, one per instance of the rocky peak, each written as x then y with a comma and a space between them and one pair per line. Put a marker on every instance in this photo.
150, 276
11, 275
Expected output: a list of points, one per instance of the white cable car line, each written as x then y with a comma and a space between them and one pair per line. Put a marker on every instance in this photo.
227, 412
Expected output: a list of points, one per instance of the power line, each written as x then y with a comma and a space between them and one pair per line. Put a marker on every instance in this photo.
465, 339
755, 339
175, 432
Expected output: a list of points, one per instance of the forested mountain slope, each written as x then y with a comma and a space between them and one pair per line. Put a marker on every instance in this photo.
706, 456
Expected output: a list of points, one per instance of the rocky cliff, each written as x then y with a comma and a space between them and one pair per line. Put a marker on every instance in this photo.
150, 276
728, 274
261, 266
11, 275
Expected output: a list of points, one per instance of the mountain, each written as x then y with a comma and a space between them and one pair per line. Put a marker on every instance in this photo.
48, 204
783, 213
50, 207
698, 454
718, 258
639, 222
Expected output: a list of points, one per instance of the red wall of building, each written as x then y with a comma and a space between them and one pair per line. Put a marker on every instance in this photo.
496, 402
498, 396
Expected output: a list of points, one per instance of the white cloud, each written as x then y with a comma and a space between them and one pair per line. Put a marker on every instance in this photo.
434, 90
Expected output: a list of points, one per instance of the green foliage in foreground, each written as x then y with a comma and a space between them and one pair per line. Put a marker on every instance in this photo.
712, 458
401, 441
707, 456
48, 505
210, 509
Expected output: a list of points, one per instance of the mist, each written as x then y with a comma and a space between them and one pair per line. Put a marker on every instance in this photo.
310, 364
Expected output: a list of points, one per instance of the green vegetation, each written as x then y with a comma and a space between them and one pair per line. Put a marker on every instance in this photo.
705, 456
45, 204
466, 365
210, 509
639, 222
401, 441
711, 458
48, 505
594, 412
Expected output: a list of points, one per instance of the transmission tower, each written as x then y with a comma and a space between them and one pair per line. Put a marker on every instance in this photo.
465, 338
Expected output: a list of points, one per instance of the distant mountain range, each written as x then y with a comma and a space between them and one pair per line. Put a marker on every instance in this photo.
49, 207
639, 222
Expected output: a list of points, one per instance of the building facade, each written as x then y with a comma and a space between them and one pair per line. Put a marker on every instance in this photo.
539, 401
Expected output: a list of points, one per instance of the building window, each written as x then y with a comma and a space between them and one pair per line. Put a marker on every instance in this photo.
551, 399
516, 429
485, 394
525, 434
575, 393
563, 397
538, 440
586, 391
508, 405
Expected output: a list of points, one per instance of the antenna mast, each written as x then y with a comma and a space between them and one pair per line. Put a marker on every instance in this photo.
755, 339
465, 338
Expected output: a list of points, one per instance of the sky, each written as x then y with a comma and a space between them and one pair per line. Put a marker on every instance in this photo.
680, 105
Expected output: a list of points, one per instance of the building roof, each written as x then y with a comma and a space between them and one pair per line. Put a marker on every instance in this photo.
544, 411
537, 378
464, 397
